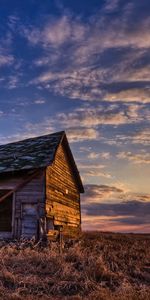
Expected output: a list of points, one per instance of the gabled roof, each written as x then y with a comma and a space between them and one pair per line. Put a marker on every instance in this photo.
30, 153
35, 153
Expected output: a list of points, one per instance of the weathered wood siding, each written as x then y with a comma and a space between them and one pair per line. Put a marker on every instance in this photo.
28, 204
62, 194
43, 200
6, 214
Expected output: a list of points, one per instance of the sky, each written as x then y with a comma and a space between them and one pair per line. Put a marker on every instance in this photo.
84, 67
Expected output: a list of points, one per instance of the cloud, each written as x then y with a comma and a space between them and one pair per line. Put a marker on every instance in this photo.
96, 193
111, 6
85, 60
112, 194
29, 130
136, 137
103, 210
137, 158
77, 134
6, 52
51, 124
4, 139
93, 116
139, 212
84, 124
9, 64
39, 101
12, 21
130, 95
96, 173
101, 155
113, 224
6, 59
142, 137
13, 81
90, 169
86, 166
110, 114
56, 32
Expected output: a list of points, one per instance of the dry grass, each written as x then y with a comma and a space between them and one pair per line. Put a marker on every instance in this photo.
97, 266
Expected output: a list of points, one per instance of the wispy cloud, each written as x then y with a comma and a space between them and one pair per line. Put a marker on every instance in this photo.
89, 58
114, 223
56, 32
77, 134
110, 114
13, 81
40, 101
6, 52
102, 210
96, 173
142, 137
112, 194
111, 6
101, 155
96, 193
6, 59
136, 137
137, 158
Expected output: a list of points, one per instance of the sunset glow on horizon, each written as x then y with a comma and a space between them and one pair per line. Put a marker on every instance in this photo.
84, 67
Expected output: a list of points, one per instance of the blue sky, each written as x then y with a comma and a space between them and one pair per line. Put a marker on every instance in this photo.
84, 67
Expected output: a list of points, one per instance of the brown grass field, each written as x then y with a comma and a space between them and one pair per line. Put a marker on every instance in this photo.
96, 266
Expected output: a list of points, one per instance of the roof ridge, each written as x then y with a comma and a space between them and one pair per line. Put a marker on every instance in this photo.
62, 132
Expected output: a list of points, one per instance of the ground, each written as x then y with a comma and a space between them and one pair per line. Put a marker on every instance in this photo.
95, 266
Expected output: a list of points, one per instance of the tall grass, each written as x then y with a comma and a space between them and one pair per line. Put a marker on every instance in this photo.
96, 266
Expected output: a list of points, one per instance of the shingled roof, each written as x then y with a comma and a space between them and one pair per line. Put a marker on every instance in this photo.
30, 153
35, 153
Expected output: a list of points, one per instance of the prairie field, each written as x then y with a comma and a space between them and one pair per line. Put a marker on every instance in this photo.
95, 266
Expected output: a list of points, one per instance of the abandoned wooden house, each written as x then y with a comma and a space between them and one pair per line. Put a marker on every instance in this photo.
40, 188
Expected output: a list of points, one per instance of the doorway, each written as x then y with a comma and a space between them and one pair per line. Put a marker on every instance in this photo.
6, 212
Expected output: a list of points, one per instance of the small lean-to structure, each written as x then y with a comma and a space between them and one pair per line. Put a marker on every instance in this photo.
40, 188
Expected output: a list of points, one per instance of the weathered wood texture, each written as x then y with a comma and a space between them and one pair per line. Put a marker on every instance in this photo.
62, 194
28, 206
6, 214
40, 188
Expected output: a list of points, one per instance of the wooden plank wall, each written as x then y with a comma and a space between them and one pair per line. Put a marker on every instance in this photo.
28, 200
30, 207
6, 214
62, 195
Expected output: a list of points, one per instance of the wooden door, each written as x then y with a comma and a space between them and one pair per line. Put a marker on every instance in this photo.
29, 220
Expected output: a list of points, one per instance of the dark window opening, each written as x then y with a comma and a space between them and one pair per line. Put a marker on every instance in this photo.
49, 224
58, 227
6, 212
